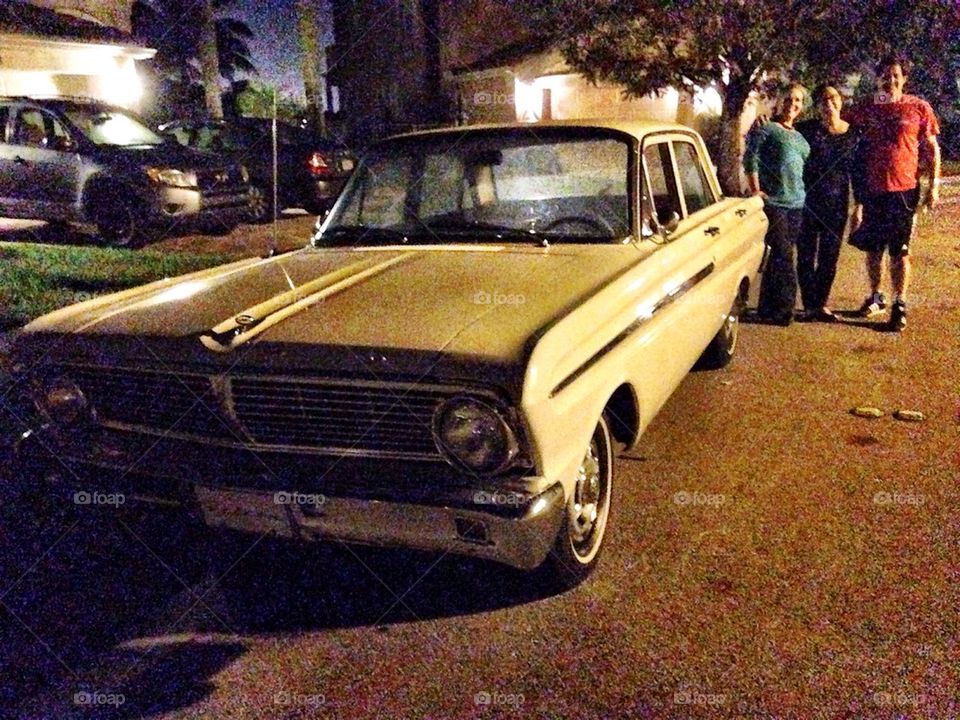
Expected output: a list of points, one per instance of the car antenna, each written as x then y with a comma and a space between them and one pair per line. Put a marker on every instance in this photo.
273, 137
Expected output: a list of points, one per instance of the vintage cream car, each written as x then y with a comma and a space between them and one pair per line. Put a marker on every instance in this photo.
483, 320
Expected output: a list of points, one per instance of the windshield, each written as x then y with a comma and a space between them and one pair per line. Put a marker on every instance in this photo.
487, 186
112, 127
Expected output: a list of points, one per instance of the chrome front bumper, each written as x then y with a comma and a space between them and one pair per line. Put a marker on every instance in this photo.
521, 541
172, 203
384, 504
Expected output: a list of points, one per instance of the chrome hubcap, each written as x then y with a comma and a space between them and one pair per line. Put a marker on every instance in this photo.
258, 203
731, 329
587, 496
117, 226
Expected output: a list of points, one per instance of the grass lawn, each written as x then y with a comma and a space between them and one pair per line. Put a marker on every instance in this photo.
36, 279
950, 167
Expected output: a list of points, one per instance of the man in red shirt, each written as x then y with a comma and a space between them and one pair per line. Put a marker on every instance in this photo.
895, 128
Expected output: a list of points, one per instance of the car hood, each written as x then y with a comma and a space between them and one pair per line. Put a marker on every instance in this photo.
169, 154
399, 311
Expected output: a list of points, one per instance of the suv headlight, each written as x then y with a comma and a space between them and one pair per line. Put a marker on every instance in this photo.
474, 435
171, 177
62, 401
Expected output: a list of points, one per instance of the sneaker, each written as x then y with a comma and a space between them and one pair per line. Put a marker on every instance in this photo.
874, 304
898, 316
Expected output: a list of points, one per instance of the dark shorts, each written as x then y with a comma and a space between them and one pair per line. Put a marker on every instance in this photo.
888, 222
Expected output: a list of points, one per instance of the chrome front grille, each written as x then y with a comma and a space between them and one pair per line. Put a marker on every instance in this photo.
297, 412
278, 413
164, 402
220, 180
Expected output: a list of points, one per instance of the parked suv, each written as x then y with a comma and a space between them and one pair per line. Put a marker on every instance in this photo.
83, 161
311, 170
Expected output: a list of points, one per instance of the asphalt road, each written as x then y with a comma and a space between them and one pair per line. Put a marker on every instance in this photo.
771, 556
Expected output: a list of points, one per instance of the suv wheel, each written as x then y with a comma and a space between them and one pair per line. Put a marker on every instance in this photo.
118, 222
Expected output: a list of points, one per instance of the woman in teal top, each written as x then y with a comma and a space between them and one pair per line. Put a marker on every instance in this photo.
774, 159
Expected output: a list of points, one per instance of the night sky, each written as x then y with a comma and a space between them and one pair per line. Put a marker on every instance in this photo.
274, 47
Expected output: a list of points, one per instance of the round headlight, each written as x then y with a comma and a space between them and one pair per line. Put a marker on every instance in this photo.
474, 435
63, 401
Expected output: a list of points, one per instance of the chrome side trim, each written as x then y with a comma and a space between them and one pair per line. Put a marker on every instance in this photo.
663, 302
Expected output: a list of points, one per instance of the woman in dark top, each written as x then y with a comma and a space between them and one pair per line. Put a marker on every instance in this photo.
827, 177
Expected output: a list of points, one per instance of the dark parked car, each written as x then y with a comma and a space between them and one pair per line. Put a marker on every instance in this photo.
311, 170
83, 161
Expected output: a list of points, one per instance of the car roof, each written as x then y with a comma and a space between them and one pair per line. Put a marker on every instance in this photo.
635, 128
61, 101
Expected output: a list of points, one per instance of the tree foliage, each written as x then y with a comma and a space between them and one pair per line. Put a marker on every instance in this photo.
174, 29
256, 100
739, 46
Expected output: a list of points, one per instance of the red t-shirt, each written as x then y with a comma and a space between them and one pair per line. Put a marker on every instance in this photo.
893, 133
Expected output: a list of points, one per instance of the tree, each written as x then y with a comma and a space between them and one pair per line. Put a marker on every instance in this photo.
209, 60
739, 46
256, 100
647, 46
175, 29
311, 50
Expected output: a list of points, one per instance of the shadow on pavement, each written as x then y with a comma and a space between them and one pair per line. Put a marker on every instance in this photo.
153, 608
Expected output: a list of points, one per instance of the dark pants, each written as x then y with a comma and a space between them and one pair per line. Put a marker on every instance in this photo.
818, 249
778, 288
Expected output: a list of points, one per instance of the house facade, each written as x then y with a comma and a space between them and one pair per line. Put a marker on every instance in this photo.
70, 48
405, 64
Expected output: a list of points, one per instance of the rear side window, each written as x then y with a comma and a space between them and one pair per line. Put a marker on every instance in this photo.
29, 129
693, 182
38, 129
4, 116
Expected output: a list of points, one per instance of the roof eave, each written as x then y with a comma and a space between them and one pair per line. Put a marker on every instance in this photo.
137, 52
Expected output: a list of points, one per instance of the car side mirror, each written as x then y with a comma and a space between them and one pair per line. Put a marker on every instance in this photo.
64, 144
670, 226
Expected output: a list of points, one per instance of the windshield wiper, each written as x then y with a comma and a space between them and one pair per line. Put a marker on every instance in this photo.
462, 227
359, 235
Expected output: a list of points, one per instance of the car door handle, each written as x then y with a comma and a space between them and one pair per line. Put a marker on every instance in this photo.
19, 160
741, 212
712, 231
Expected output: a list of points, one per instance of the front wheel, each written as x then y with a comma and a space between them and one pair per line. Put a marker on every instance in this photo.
118, 222
576, 551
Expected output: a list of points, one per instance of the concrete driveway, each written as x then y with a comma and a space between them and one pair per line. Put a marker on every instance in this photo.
771, 556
